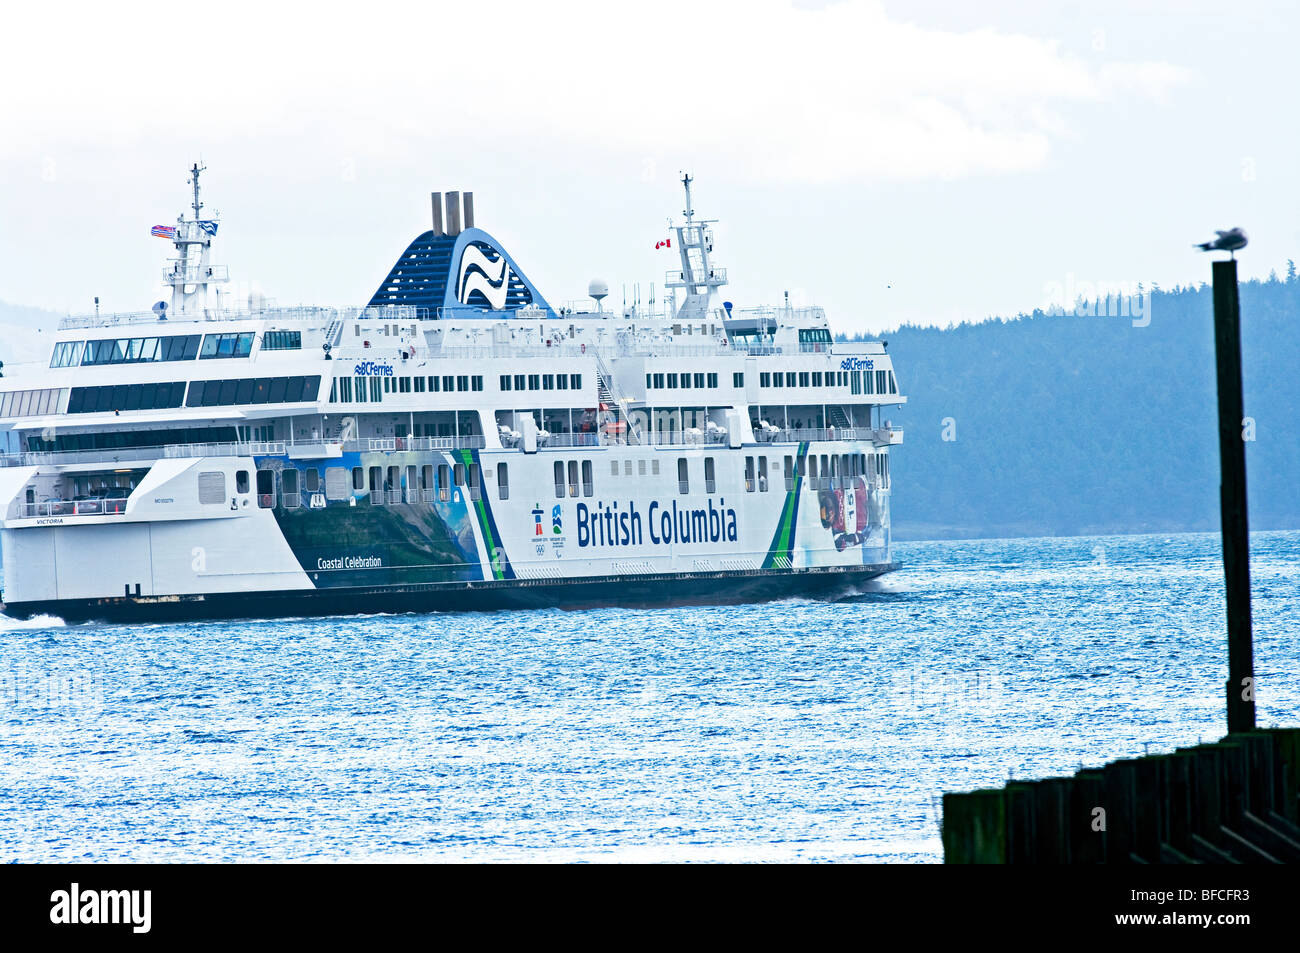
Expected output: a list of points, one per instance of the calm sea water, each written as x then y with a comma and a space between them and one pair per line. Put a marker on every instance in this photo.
795, 730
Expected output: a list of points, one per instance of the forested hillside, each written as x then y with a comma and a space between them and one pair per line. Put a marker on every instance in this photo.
1073, 424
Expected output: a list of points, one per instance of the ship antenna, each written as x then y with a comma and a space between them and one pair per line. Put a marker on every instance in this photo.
194, 178
689, 212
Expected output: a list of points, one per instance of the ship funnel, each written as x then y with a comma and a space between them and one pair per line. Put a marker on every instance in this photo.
437, 213
453, 213
468, 201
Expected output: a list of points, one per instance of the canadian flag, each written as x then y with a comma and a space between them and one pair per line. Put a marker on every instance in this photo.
666, 243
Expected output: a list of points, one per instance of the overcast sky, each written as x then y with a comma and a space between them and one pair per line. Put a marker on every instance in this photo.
924, 161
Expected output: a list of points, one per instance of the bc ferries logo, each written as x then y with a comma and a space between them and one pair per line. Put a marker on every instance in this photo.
372, 369
485, 274
857, 364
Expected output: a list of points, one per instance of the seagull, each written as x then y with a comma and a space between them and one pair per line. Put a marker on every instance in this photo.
1233, 240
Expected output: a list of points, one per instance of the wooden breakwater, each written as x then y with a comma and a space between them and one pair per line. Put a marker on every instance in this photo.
1234, 801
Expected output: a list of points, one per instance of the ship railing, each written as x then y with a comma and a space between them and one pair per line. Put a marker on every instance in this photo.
677, 438
797, 434
558, 440
324, 315
396, 444
101, 507
54, 458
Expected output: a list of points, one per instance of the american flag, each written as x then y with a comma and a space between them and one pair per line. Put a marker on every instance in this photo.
163, 231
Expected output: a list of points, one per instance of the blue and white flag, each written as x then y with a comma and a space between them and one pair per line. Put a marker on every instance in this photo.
208, 226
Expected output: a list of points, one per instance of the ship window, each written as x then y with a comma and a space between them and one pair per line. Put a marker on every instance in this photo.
789, 473
376, 485
403, 385
749, 474
282, 341
358, 479
712, 380
588, 484
562, 381
266, 489
458, 472
812, 472
311, 480
559, 479
575, 381
765, 379
648, 381
659, 382
426, 480
289, 487
212, 486
855, 382
640, 468
435, 384
778, 379
462, 382
803, 378
672, 380
389, 385
738, 379
244, 391
503, 482
360, 394
475, 481
548, 382
613, 468
519, 382
762, 474
376, 395
448, 382
789, 378
816, 378
419, 385
476, 382
336, 483
241, 481
573, 478
683, 476
893, 386
444, 482
654, 467
880, 382
505, 381
710, 475
627, 468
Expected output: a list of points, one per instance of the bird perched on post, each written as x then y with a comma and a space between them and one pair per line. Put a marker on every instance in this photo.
1233, 240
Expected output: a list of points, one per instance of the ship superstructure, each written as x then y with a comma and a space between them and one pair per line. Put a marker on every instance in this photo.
457, 442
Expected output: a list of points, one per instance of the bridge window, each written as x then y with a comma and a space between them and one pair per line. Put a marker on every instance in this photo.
881, 382
236, 344
282, 341
893, 387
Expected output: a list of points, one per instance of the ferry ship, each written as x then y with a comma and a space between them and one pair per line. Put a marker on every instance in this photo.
456, 443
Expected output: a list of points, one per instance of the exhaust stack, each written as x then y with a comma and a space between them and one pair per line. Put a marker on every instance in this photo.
437, 213
453, 213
